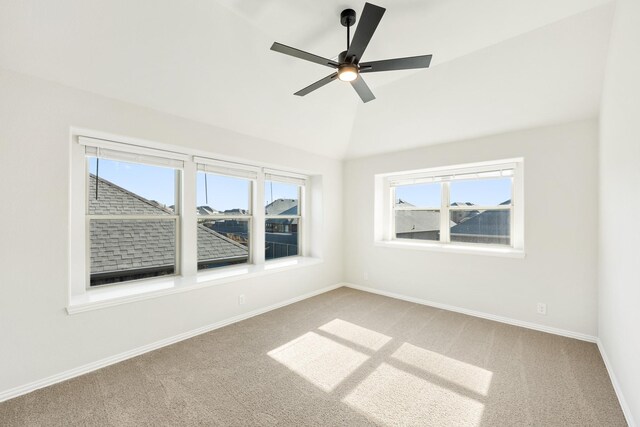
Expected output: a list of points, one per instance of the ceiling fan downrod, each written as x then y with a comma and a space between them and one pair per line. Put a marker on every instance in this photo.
347, 19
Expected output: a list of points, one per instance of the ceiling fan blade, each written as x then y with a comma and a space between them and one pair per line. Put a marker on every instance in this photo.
408, 63
363, 90
317, 85
278, 47
369, 20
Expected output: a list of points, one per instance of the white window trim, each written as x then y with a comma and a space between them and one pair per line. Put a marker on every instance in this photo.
385, 206
83, 298
295, 179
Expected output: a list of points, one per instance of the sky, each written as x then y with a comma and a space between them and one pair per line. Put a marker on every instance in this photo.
158, 183
485, 192
151, 182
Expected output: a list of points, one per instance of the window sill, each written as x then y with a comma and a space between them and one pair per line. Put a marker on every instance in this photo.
452, 248
94, 299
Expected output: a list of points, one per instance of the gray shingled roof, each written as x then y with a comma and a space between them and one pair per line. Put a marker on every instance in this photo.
123, 245
487, 223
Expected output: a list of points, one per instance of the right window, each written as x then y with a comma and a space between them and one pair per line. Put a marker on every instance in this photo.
480, 210
461, 205
283, 216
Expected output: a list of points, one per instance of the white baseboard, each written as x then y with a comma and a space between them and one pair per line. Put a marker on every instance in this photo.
84, 369
616, 386
89, 367
515, 322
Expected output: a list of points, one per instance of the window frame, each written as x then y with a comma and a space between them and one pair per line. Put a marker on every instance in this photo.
186, 274
124, 156
301, 182
247, 217
385, 217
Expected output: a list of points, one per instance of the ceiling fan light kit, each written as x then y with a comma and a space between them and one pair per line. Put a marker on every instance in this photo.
347, 72
348, 67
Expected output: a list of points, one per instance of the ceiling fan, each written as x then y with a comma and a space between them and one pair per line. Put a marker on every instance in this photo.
348, 66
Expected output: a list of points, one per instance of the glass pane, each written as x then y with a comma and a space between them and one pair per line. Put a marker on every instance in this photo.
222, 242
123, 250
481, 192
415, 224
281, 198
419, 195
281, 236
130, 188
224, 195
490, 226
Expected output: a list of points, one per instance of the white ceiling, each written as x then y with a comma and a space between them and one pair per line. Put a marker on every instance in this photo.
498, 65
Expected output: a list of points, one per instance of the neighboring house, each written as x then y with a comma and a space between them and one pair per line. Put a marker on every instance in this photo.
234, 229
485, 227
134, 249
280, 206
206, 210
417, 224
461, 216
281, 234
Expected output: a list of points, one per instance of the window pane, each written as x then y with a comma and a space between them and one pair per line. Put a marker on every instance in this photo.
222, 242
417, 224
225, 195
281, 198
281, 236
419, 195
123, 250
130, 188
481, 192
490, 226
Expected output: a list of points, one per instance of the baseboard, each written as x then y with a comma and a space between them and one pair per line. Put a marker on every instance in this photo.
507, 320
89, 367
616, 386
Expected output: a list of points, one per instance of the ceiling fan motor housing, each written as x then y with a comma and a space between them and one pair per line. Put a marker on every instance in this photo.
342, 57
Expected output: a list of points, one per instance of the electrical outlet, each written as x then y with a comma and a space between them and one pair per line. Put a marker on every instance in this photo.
366, 275
241, 299
542, 308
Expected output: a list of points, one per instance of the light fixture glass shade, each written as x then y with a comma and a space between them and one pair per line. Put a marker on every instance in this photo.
348, 73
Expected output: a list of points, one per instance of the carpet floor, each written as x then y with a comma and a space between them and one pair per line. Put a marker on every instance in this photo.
347, 358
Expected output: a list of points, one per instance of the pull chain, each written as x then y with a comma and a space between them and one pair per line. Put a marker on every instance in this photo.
97, 174
206, 191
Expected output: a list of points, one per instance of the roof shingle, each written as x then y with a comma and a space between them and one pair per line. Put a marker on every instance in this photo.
119, 245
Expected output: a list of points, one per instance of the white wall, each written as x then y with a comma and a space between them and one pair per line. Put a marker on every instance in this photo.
619, 291
37, 337
560, 174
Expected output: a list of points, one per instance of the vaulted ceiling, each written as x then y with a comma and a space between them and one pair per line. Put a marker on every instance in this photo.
498, 65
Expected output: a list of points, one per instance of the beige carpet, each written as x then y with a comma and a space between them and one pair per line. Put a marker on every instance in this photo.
345, 358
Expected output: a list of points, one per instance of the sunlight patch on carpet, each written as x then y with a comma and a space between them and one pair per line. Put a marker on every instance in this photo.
322, 361
356, 334
470, 377
390, 394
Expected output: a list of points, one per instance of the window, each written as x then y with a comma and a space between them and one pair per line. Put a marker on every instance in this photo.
224, 219
417, 211
470, 205
132, 220
140, 212
480, 209
283, 215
